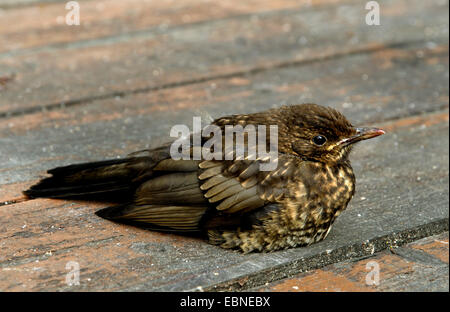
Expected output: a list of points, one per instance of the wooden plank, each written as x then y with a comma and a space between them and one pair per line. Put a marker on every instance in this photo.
404, 269
399, 198
33, 143
86, 70
44, 23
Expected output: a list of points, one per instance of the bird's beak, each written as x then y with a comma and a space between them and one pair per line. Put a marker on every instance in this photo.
362, 134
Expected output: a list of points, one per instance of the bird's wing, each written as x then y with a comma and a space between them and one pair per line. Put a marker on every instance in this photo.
241, 186
241, 193
170, 199
179, 197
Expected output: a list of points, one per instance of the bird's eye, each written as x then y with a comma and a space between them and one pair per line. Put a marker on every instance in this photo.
319, 140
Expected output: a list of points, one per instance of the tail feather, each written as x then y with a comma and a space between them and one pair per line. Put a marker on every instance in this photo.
84, 166
74, 191
94, 179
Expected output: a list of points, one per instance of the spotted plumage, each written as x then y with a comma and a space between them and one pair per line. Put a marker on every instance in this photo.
232, 202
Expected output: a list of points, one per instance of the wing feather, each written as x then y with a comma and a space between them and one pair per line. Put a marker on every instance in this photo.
240, 186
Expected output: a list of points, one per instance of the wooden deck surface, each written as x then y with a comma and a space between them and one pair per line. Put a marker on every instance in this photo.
119, 81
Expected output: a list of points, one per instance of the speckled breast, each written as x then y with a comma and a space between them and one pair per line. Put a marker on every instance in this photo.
321, 194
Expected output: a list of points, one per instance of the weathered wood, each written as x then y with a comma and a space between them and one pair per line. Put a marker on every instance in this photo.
43, 24
421, 266
87, 70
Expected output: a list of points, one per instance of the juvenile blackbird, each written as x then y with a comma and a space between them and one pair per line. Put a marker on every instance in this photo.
234, 203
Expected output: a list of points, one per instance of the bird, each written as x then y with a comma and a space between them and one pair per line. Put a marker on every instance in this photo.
231, 202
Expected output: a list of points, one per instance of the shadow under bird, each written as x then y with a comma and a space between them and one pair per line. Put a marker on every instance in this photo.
232, 202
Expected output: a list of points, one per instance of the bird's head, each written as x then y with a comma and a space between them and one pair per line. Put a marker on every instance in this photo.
319, 133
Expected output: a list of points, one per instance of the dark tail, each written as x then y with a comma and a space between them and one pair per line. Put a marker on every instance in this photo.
95, 180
